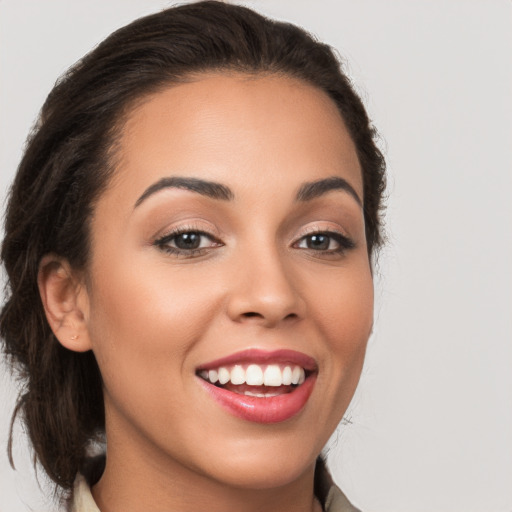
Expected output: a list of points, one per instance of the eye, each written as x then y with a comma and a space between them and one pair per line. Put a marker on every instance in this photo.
187, 242
191, 240
326, 242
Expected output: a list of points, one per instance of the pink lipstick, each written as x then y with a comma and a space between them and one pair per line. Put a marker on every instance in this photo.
260, 386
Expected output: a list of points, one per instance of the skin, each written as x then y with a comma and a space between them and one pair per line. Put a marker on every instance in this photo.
152, 317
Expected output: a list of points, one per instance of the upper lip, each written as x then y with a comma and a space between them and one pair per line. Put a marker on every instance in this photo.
258, 356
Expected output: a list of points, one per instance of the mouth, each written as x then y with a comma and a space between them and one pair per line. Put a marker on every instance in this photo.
263, 387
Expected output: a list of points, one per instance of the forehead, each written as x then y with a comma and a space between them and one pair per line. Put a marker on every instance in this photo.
236, 129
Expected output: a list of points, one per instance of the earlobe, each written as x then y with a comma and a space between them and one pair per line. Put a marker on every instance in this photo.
65, 302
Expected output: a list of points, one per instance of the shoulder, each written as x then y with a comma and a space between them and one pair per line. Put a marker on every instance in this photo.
329, 494
337, 502
82, 497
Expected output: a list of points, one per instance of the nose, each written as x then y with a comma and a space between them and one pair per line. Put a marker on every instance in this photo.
264, 290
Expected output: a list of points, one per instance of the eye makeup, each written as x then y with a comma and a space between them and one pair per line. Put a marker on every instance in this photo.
325, 242
187, 242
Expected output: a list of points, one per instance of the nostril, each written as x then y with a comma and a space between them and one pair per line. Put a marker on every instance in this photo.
250, 314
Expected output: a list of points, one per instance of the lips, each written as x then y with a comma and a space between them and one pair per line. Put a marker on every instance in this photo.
260, 386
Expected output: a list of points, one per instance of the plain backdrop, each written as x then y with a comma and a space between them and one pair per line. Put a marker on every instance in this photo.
430, 428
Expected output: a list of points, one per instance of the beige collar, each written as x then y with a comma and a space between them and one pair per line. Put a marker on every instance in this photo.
82, 497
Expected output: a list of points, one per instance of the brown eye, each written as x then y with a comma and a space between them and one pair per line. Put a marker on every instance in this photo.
188, 241
318, 242
326, 242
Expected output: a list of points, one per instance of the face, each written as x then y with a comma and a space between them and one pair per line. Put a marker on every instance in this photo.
230, 247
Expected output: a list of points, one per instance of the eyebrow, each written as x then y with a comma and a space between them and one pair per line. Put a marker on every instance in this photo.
307, 191
203, 187
314, 189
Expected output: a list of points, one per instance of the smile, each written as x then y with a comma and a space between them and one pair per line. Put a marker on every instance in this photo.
263, 387
271, 375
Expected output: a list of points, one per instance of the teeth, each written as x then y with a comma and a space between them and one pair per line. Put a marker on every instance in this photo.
287, 376
272, 375
237, 375
254, 375
260, 395
250, 393
296, 374
224, 375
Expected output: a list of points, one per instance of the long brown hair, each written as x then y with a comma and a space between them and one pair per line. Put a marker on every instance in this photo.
70, 157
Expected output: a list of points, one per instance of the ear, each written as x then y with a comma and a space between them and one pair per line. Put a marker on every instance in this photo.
65, 302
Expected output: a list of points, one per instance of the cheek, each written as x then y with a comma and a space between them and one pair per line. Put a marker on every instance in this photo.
345, 307
345, 313
142, 326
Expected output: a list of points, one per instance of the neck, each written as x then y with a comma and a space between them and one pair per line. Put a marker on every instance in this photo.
129, 489
144, 479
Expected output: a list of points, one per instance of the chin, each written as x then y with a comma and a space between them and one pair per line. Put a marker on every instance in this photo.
272, 463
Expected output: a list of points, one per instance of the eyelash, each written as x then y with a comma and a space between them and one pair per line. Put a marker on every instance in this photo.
344, 243
163, 242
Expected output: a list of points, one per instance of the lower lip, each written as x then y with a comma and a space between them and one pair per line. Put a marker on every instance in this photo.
262, 410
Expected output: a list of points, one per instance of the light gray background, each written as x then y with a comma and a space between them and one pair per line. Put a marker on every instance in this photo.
432, 420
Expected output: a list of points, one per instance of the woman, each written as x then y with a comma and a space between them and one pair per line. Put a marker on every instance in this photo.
188, 244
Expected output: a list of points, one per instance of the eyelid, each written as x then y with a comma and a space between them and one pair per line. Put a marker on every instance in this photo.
173, 234
162, 240
183, 226
313, 229
344, 241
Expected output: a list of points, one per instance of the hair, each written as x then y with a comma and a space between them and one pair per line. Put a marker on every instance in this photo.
70, 157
